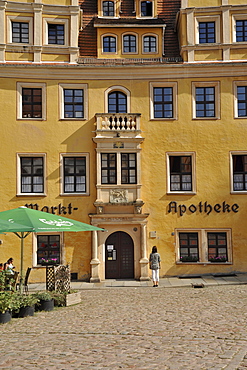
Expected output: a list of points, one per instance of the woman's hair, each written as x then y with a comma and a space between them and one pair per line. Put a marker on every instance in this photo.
154, 249
10, 260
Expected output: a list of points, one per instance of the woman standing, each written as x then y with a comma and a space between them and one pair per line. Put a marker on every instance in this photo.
154, 261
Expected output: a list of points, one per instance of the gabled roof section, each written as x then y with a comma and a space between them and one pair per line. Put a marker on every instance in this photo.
166, 10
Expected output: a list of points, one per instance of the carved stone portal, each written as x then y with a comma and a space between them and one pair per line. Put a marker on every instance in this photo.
118, 196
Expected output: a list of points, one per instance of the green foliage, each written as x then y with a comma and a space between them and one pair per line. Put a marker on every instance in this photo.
59, 299
8, 301
43, 295
25, 300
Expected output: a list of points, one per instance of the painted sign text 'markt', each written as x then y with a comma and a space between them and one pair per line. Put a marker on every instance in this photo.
181, 209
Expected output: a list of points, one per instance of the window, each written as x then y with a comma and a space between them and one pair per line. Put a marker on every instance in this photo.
180, 173
109, 173
31, 99
108, 9
55, 33
205, 102
128, 168
74, 174
163, 102
188, 247
146, 8
31, 102
149, 44
73, 103
204, 245
241, 30
242, 101
217, 247
48, 247
239, 165
32, 175
207, 32
109, 44
117, 102
108, 168
129, 44
20, 32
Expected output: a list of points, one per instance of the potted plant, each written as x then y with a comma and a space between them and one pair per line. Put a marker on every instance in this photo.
218, 259
189, 259
26, 304
49, 261
7, 304
45, 301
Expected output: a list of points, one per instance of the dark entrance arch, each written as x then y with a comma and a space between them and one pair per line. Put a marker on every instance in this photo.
119, 256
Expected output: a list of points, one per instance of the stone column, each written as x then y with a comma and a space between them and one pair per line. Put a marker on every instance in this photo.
144, 262
94, 261
38, 32
2, 31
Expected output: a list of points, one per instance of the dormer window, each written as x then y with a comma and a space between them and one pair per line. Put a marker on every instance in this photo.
108, 9
146, 8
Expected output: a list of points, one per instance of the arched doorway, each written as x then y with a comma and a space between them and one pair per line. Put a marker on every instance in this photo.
119, 256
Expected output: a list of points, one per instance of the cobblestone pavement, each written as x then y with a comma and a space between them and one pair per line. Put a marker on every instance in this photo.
134, 328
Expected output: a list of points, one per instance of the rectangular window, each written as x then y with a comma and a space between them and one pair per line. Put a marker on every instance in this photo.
109, 44
241, 30
32, 174
205, 101
239, 172
48, 248
180, 173
149, 44
217, 247
163, 102
146, 8
206, 32
188, 247
20, 32
31, 102
74, 169
73, 103
242, 101
108, 168
129, 44
55, 34
128, 168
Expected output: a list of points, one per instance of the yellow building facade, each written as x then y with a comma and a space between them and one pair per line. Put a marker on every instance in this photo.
131, 116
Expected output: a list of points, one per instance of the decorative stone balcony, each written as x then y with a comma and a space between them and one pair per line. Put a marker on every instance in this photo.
112, 123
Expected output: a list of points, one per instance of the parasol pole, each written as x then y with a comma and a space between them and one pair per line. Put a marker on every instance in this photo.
22, 236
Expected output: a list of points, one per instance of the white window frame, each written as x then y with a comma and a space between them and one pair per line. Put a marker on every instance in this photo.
237, 17
215, 19
35, 246
203, 245
231, 171
181, 154
157, 44
12, 18
32, 85
107, 16
18, 178
216, 85
102, 43
131, 34
83, 87
120, 89
59, 21
235, 92
86, 155
174, 86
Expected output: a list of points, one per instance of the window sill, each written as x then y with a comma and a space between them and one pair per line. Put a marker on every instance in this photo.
31, 195
181, 192
203, 263
206, 118
73, 194
73, 119
238, 192
164, 119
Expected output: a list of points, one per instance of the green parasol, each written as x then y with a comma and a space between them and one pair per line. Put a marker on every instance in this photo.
30, 220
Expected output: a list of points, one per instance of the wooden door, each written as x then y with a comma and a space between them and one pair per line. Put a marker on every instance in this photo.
119, 256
